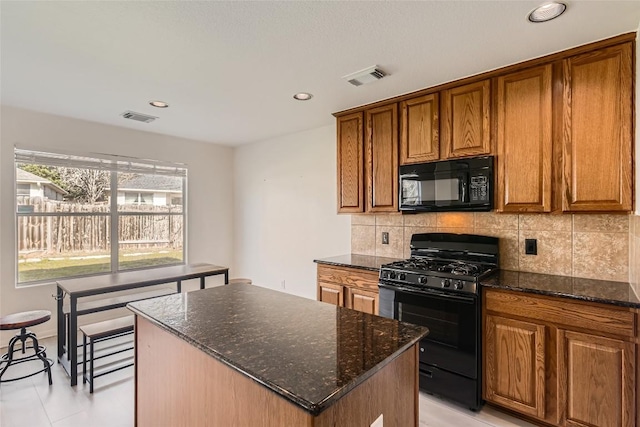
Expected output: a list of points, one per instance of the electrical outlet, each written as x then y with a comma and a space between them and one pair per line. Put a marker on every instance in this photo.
378, 422
530, 246
385, 237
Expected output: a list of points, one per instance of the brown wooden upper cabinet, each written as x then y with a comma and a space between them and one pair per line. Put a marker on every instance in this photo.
465, 125
419, 137
350, 164
524, 119
597, 106
381, 158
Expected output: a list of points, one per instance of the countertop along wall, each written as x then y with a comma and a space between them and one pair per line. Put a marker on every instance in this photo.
209, 193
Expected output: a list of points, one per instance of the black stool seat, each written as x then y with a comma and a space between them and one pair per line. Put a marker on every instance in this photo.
22, 321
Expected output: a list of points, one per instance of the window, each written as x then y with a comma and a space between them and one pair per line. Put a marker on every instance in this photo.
98, 215
23, 190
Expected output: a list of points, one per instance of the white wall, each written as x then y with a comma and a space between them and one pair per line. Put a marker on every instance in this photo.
285, 190
210, 195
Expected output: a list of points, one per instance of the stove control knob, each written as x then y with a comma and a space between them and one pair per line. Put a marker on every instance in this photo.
458, 284
402, 276
422, 280
392, 275
446, 283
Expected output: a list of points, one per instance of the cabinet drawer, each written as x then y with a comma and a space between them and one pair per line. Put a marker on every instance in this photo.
599, 318
350, 277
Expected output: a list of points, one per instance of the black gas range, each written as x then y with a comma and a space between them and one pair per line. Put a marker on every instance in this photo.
438, 288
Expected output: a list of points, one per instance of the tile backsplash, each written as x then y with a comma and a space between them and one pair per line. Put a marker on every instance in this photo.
605, 246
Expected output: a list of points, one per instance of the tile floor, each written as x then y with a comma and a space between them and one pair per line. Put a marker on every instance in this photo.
32, 403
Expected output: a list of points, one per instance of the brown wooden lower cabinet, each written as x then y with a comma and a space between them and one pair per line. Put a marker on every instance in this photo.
361, 300
560, 362
515, 364
597, 370
348, 287
331, 293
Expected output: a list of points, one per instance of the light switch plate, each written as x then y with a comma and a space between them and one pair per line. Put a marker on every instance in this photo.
378, 422
385, 237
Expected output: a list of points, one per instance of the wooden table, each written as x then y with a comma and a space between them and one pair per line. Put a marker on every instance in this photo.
110, 283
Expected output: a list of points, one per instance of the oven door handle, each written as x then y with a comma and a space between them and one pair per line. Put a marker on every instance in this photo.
430, 292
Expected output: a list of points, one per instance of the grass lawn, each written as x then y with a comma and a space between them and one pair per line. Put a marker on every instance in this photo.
49, 269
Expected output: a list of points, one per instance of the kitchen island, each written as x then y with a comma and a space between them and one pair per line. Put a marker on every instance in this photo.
244, 355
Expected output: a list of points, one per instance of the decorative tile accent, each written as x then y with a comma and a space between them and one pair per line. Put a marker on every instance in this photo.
420, 220
363, 219
410, 231
363, 239
603, 223
554, 252
509, 255
493, 221
545, 222
602, 256
395, 247
454, 219
389, 219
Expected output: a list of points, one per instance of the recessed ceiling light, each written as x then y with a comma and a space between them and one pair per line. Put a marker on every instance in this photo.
547, 12
158, 104
302, 96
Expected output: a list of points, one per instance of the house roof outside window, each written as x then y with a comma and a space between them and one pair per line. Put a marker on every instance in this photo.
24, 177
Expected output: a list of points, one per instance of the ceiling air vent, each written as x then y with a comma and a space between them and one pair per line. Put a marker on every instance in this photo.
368, 75
139, 117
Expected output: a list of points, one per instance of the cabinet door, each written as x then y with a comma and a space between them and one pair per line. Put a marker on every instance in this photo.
596, 381
596, 135
350, 164
515, 365
524, 134
419, 138
465, 115
381, 156
362, 300
331, 293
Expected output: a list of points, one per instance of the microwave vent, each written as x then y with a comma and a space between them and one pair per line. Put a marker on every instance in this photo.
139, 117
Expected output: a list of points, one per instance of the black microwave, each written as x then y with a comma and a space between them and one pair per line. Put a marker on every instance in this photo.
449, 185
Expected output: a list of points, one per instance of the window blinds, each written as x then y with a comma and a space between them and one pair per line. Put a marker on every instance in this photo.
105, 162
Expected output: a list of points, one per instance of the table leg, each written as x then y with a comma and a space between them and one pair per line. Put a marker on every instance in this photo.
61, 324
226, 277
73, 339
202, 282
179, 286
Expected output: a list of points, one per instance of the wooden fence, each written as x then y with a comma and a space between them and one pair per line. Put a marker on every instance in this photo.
63, 233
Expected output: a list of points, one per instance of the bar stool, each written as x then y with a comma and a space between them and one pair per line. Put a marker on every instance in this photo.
22, 321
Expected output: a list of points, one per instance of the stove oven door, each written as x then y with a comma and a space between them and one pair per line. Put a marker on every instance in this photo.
453, 322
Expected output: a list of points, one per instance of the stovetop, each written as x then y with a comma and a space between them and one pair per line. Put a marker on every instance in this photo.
450, 262
466, 270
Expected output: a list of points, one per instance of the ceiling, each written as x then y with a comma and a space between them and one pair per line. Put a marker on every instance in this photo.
229, 69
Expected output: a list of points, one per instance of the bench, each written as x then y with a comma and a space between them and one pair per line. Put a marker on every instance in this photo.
104, 304
103, 331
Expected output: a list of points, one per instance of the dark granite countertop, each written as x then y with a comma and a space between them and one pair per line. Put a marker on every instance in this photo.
309, 352
364, 262
602, 291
